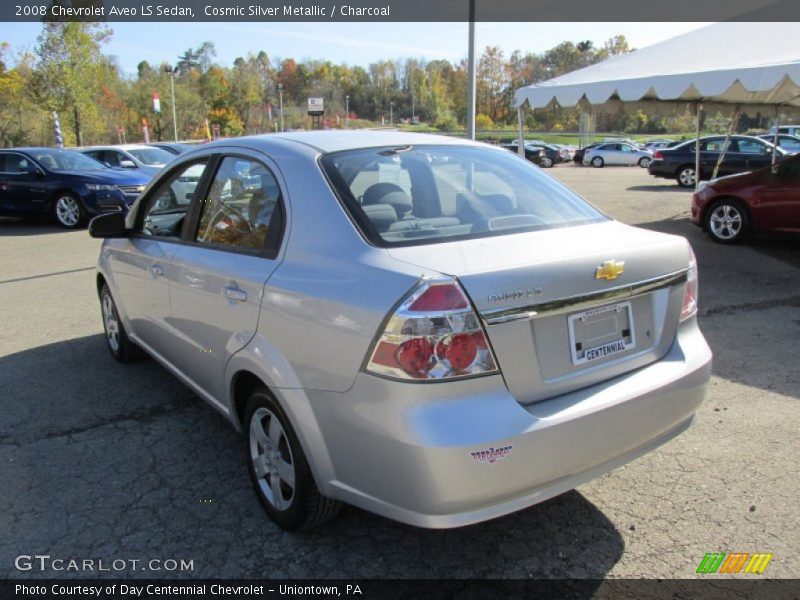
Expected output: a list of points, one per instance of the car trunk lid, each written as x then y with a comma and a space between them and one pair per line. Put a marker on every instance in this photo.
553, 324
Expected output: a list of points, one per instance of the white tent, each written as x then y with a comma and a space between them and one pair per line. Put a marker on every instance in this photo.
725, 66
725, 63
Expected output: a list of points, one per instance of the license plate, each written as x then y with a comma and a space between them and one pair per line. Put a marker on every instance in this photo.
601, 332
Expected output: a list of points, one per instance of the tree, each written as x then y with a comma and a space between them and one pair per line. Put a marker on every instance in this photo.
68, 62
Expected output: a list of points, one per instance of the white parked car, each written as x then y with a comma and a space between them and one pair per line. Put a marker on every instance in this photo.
617, 153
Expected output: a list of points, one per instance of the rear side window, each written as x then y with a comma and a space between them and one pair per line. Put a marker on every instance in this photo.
428, 194
752, 147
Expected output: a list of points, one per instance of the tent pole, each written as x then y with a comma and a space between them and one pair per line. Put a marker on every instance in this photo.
777, 126
698, 108
722, 154
521, 122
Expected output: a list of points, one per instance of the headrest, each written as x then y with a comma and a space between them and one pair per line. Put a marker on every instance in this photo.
389, 193
382, 216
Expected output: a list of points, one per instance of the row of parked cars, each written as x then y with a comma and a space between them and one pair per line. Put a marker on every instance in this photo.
74, 185
749, 192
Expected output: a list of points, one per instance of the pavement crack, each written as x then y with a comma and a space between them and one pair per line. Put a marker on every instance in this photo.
141, 416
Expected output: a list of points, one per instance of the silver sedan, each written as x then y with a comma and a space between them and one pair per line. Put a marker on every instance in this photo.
423, 327
617, 153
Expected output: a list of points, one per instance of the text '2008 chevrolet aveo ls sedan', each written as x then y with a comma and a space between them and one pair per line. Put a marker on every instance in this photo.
427, 328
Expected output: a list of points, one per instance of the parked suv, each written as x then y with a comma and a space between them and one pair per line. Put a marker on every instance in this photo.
743, 153
425, 327
63, 183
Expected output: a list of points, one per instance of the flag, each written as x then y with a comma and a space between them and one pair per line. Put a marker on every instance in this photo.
57, 125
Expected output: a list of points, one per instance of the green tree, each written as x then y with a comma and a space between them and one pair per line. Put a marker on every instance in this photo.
68, 63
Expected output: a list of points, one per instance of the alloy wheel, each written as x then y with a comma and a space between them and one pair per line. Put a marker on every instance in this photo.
272, 459
68, 211
111, 322
725, 222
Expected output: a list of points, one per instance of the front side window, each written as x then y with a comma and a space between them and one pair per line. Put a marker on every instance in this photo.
167, 206
426, 194
238, 208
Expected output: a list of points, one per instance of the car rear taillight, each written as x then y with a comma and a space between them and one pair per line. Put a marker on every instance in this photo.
434, 335
658, 155
689, 307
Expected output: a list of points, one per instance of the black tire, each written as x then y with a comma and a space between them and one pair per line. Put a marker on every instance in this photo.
686, 176
296, 508
644, 162
68, 210
598, 162
727, 221
117, 341
546, 162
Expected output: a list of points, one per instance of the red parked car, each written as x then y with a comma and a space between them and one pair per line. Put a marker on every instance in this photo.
768, 199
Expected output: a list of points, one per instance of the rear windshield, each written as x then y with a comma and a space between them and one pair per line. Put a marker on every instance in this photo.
426, 194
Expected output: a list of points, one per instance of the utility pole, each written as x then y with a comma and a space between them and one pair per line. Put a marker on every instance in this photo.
347, 112
391, 114
280, 97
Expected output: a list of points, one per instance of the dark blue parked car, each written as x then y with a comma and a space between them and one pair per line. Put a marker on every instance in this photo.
63, 183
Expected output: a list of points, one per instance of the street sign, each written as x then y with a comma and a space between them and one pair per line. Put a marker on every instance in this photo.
316, 106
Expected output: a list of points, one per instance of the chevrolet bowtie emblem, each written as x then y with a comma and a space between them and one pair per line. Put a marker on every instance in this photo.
610, 269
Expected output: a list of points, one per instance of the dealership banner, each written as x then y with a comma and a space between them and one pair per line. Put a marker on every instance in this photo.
399, 10
397, 589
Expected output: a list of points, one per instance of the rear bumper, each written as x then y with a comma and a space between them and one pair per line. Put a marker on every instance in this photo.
657, 168
447, 455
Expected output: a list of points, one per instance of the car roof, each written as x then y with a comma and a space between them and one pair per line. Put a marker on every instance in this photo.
29, 149
337, 140
115, 147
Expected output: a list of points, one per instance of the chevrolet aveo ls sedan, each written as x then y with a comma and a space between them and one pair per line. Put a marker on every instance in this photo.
427, 328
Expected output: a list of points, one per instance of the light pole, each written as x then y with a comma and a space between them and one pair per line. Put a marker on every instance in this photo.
347, 112
471, 74
171, 72
391, 114
280, 99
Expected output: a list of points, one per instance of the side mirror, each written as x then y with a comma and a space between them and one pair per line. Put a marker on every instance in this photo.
127, 164
111, 225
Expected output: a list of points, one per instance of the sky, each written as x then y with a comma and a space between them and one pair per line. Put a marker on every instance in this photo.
350, 43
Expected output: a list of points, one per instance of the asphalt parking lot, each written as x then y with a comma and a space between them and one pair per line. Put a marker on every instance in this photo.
101, 460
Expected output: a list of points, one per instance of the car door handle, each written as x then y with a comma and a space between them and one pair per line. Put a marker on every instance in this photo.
156, 270
233, 293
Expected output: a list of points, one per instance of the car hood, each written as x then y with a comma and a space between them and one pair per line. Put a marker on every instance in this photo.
731, 181
108, 176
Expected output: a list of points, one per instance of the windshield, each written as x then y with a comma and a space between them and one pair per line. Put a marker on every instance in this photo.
427, 194
67, 160
151, 156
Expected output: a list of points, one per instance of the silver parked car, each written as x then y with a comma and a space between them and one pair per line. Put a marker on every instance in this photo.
617, 153
139, 157
423, 327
